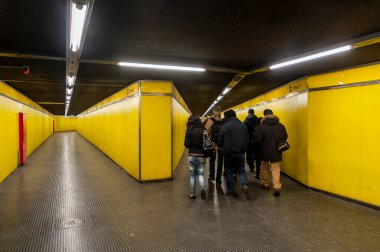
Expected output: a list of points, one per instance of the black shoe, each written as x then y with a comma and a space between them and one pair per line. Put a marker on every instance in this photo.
257, 177
246, 191
219, 182
211, 179
203, 194
192, 196
276, 193
235, 177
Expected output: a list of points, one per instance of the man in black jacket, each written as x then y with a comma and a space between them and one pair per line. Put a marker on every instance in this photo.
233, 139
251, 124
268, 134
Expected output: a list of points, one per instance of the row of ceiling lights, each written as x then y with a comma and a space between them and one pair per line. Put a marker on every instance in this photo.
78, 18
287, 63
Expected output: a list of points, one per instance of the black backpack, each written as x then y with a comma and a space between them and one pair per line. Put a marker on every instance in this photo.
215, 129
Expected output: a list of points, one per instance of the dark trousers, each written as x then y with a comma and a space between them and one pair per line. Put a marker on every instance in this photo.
258, 166
219, 167
235, 163
249, 156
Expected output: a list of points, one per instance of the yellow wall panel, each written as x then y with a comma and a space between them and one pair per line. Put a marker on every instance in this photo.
370, 144
354, 75
179, 120
64, 123
333, 133
155, 137
39, 128
114, 129
335, 141
156, 87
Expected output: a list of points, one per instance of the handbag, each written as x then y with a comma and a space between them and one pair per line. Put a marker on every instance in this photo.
208, 147
283, 146
207, 144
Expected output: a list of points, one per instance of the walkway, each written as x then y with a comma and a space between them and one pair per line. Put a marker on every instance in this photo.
71, 197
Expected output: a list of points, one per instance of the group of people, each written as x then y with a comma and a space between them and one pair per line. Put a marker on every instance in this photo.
254, 141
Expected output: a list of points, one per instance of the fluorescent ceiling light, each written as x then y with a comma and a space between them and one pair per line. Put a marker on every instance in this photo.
219, 97
168, 67
226, 90
69, 91
311, 57
78, 17
70, 81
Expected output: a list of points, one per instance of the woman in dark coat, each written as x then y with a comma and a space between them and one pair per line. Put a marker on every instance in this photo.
196, 159
268, 134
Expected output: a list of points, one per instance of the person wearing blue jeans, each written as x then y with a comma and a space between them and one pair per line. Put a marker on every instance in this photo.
233, 140
196, 165
196, 159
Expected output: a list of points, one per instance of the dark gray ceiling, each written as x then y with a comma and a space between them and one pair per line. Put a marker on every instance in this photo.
241, 35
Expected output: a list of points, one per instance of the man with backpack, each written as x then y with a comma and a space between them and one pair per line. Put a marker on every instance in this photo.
213, 126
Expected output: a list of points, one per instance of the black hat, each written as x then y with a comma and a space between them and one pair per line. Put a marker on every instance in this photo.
268, 112
251, 111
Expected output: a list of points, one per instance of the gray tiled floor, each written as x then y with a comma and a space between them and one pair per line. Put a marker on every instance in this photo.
71, 197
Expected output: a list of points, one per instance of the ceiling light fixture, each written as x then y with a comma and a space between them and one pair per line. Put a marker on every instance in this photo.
311, 57
168, 67
70, 81
69, 91
226, 90
78, 17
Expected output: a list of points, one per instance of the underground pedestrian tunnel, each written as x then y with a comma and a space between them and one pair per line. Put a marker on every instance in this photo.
94, 100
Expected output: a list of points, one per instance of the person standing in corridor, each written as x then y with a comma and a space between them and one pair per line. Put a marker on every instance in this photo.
213, 126
196, 159
233, 139
251, 124
268, 134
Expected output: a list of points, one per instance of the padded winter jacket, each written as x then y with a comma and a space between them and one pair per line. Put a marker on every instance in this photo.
268, 134
233, 136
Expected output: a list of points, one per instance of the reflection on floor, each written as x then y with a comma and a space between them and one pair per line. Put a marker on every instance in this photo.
71, 197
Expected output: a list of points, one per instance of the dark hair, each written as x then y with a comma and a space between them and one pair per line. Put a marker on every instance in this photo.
268, 112
193, 122
229, 113
251, 111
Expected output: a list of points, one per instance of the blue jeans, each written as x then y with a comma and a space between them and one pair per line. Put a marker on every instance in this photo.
235, 163
197, 167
